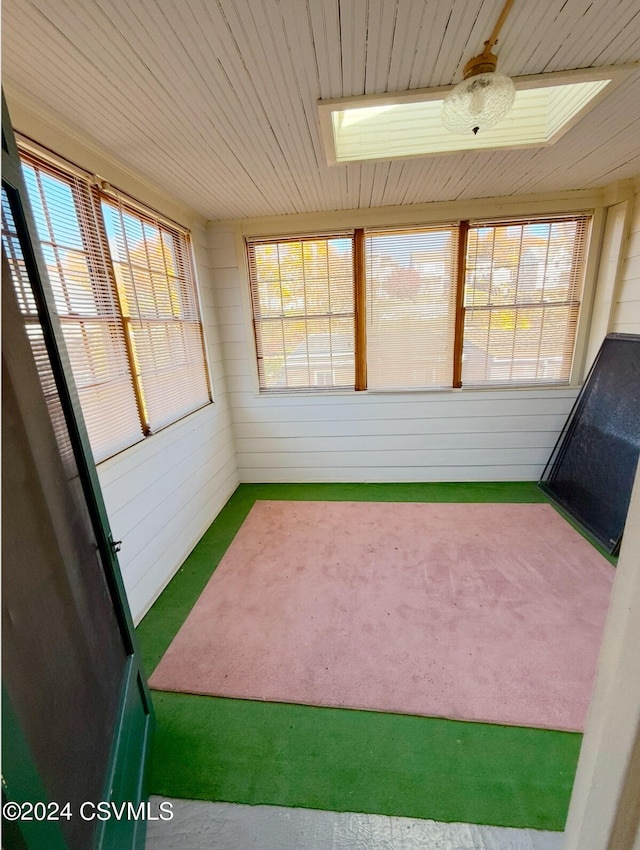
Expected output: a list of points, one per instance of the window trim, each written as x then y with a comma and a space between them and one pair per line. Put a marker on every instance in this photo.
584, 204
257, 321
97, 192
578, 264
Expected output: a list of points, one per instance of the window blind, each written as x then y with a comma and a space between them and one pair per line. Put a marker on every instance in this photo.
302, 292
16, 271
159, 306
411, 285
523, 285
86, 302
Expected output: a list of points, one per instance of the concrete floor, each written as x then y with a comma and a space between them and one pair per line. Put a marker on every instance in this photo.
198, 825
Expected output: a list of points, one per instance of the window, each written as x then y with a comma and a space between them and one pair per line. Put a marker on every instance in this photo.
411, 307
17, 272
159, 309
303, 309
125, 295
522, 297
471, 304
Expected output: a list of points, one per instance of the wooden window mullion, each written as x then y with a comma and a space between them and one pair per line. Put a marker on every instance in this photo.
360, 317
461, 273
124, 316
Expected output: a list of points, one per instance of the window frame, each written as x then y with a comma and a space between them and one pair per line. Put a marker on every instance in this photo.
448, 302
89, 199
479, 212
305, 316
146, 217
577, 286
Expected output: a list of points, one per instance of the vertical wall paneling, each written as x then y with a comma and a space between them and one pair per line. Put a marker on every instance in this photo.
611, 260
604, 805
626, 315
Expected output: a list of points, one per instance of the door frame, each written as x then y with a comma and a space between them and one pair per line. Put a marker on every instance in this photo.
125, 771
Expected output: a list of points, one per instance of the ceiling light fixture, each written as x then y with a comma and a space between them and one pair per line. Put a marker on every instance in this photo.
484, 96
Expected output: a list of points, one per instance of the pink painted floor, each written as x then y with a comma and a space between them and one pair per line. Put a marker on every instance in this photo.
482, 612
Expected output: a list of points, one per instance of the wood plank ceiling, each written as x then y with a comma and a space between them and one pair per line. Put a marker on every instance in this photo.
215, 100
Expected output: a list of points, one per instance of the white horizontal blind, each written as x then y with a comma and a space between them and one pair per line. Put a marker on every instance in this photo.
522, 298
302, 292
152, 266
411, 287
86, 302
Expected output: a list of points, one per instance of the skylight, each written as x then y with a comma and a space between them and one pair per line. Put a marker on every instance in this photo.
409, 124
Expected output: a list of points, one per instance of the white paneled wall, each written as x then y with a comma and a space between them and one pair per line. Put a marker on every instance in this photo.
626, 316
162, 494
437, 436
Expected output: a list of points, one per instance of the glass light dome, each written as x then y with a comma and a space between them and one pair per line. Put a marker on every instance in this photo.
477, 103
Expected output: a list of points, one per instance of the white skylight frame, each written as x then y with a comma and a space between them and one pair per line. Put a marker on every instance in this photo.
543, 112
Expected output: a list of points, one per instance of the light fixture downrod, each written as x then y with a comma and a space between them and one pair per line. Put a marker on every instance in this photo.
484, 97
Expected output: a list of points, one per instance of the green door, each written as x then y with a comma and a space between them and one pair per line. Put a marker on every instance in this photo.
77, 716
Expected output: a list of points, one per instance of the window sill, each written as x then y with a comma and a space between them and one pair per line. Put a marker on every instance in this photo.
439, 391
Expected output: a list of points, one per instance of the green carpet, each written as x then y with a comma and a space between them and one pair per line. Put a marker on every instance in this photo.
269, 753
